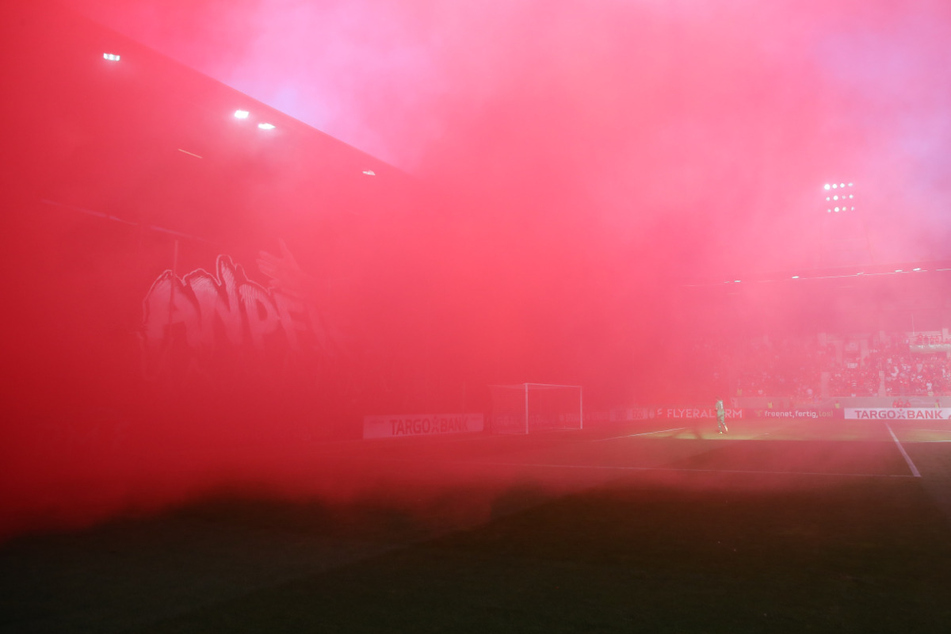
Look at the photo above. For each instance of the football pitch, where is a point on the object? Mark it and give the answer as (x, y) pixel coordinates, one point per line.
(658, 526)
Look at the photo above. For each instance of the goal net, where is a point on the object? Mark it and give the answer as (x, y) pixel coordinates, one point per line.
(533, 407)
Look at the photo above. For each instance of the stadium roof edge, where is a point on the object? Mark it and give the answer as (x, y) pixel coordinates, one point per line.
(793, 275)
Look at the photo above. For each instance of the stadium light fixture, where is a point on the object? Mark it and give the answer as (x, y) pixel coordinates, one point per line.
(369, 172)
(827, 186)
(112, 57)
(795, 277)
(266, 126)
(241, 114)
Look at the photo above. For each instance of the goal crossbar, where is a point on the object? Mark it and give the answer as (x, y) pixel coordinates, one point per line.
(562, 420)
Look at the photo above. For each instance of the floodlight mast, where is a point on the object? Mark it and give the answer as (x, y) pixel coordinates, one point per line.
(838, 244)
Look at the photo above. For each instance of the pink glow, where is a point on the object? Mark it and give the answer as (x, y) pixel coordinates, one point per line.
(548, 181)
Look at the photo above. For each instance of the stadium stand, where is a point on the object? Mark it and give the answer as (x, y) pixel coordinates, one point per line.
(806, 369)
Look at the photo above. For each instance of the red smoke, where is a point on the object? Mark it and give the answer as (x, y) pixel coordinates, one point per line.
(571, 168)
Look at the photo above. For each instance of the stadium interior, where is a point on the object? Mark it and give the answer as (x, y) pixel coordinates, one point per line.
(247, 245)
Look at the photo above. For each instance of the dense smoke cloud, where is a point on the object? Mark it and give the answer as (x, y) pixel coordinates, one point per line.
(582, 165)
(713, 123)
(588, 162)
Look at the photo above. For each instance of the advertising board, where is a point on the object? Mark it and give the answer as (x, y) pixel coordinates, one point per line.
(401, 425)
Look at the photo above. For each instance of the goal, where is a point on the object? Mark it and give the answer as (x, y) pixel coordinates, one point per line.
(531, 407)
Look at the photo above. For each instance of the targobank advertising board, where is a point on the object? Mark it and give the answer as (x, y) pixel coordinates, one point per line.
(898, 413)
(421, 425)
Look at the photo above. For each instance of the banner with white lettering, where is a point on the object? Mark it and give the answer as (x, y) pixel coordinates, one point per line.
(617, 415)
(421, 425)
(898, 413)
(694, 412)
(800, 414)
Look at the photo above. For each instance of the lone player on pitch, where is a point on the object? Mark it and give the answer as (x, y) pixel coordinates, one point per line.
(721, 417)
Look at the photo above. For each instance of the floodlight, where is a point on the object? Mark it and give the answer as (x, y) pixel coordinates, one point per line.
(112, 57)
(834, 186)
(241, 114)
(826, 186)
(266, 126)
(369, 172)
(795, 277)
(842, 185)
(835, 198)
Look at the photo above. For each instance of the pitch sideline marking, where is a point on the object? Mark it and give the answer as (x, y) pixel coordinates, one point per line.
(911, 465)
(756, 472)
(646, 433)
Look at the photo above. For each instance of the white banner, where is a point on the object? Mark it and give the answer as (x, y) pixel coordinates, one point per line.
(687, 412)
(421, 425)
(617, 415)
(930, 347)
(794, 413)
(898, 413)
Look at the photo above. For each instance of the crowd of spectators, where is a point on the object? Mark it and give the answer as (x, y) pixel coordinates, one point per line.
(806, 368)
(917, 374)
(787, 368)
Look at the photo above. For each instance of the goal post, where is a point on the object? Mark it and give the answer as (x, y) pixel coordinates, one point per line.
(532, 407)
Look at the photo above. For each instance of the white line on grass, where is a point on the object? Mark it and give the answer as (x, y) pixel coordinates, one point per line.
(646, 433)
(754, 472)
(911, 465)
